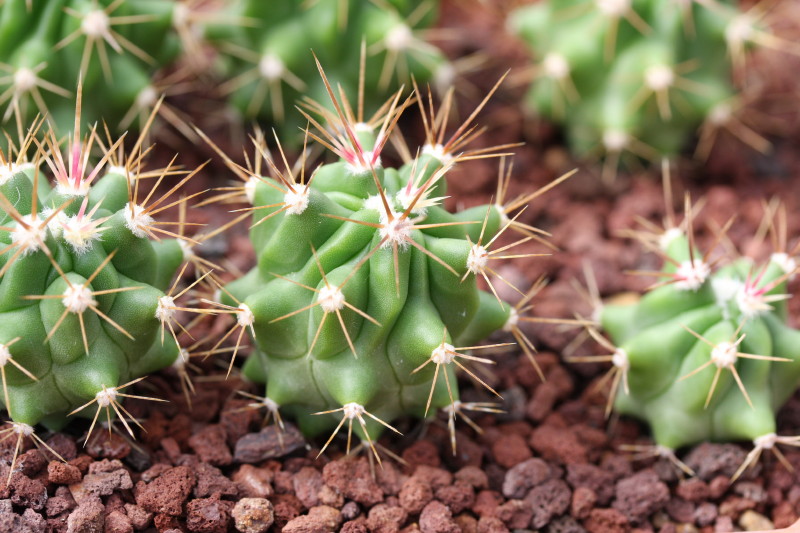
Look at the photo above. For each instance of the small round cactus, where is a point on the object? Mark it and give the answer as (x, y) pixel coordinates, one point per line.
(83, 274)
(365, 302)
(640, 76)
(707, 354)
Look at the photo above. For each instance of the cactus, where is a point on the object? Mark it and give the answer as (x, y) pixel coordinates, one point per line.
(265, 60)
(85, 274)
(640, 76)
(707, 354)
(364, 300)
(113, 46)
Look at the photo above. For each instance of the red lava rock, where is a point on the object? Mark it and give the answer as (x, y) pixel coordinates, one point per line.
(474, 476)
(733, 506)
(107, 445)
(557, 444)
(640, 495)
(466, 523)
(82, 462)
(724, 524)
(422, 452)
(709, 460)
(211, 481)
(490, 524)
(437, 518)
(62, 473)
(718, 487)
(61, 501)
(435, 477)
(118, 522)
(550, 499)
(26, 492)
(415, 495)
(486, 502)
(385, 519)
(509, 450)
(606, 521)
(154, 471)
(253, 515)
(31, 463)
(524, 476)
(165, 522)
(88, 517)
(600, 481)
(390, 479)
(167, 493)
(320, 519)
(285, 508)
(211, 445)
(331, 498)
(358, 525)
(208, 515)
(353, 479)
(692, 489)
(63, 445)
(784, 515)
(750, 491)
(680, 510)
(516, 514)
(106, 476)
(139, 518)
(583, 501)
(307, 484)
(705, 514)
(457, 497)
(29, 522)
(268, 444)
(253, 482)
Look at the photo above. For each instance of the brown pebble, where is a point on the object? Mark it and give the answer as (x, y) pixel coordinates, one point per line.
(62, 473)
(253, 515)
(320, 519)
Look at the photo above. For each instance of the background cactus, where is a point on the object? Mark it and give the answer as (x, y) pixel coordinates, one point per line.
(265, 52)
(707, 355)
(83, 274)
(639, 76)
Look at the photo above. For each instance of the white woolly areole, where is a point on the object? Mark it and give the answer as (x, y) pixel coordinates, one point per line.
(620, 359)
(437, 151)
(165, 309)
(513, 320)
(96, 24)
(187, 252)
(137, 220)
(398, 38)
(250, 189)
(615, 140)
(443, 354)
(725, 290)
(750, 302)
(374, 202)
(78, 298)
(353, 410)
(357, 168)
(296, 201)
(691, 275)
(765, 442)
(245, 316)
(785, 261)
(659, 77)
(180, 361)
(724, 354)
(80, 233)
(720, 114)
(477, 259)
(106, 397)
(118, 169)
(271, 67)
(555, 66)
(69, 189)
(270, 404)
(24, 79)
(29, 236)
(147, 97)
(739, 30)
(181, 14)
(9, 170)
(666, 238)
(5, 354)
(56, 224)
(362, 127)
(20, 428)
(330, 298)
(396, 231)
(613, 8)
(444, 76)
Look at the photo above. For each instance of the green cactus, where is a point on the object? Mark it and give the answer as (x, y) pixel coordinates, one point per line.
(639, 76)
(364, 300)
(265, 51)
(113, 46)
(707, 354)
(84, 268)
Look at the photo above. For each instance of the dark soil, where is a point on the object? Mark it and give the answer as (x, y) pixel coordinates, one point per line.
(550, 463)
